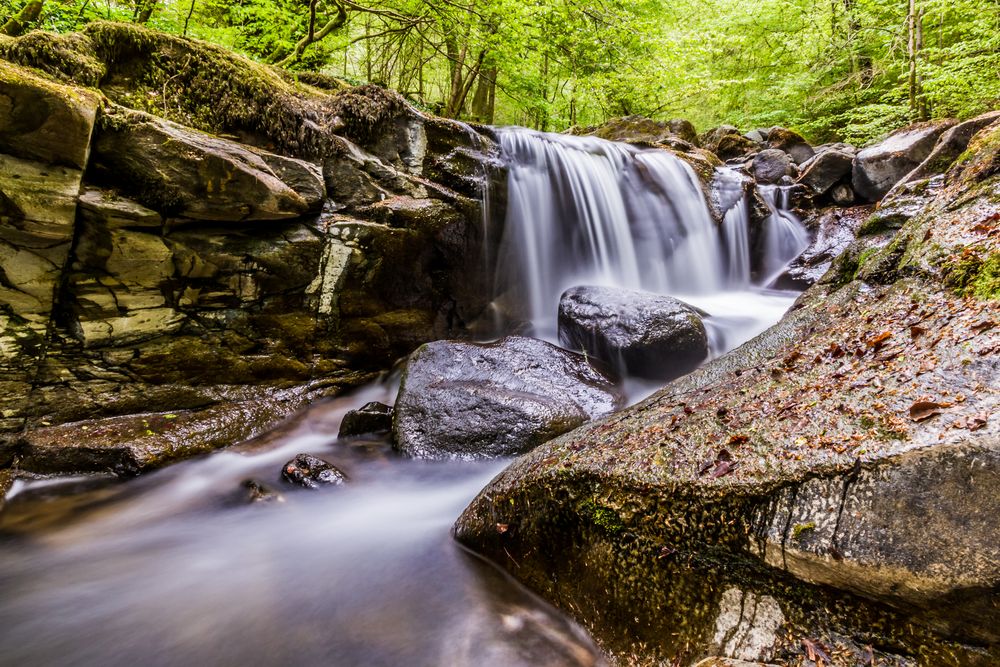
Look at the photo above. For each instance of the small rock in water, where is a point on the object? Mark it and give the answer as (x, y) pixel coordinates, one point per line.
(373, 417)
(311, 472)
(259, 492)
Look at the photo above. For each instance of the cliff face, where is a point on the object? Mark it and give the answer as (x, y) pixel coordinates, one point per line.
(827, 490)
(189, 233)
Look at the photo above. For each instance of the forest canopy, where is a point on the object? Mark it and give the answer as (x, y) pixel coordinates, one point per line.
(848, 70)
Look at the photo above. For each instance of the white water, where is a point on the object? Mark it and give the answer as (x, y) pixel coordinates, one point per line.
(174, 568)
(784, 236)
(584, 211)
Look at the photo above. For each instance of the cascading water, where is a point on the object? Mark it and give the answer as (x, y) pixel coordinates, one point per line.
(584, 211)
(174, 568)
(784, 236)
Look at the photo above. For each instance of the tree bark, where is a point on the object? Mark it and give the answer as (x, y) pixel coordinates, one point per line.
(485, 98)
(17, 25)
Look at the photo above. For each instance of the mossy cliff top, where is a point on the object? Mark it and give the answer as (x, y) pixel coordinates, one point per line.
(208, 87)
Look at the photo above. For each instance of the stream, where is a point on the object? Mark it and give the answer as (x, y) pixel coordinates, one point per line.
(177, 568)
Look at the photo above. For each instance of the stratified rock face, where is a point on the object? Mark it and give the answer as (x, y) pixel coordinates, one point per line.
(879, 167)
(469, 400)
(854, 446)
(45, 132)
(190, 274)
(638, 333)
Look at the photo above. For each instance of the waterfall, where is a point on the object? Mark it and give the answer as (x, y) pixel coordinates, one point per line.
(730, 191)
(583, 210)
(784, 236)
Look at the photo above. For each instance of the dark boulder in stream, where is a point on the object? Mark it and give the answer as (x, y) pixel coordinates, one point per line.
(832, 482)
(470, 400)
(637, 333)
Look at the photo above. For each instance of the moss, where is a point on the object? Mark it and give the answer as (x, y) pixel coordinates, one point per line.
(973, 276)
(800, 530)
(606, 519)
(69, 58)
(366, 109)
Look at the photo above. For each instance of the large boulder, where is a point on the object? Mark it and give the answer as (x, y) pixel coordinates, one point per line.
(826, 169)
(829, 486)
(950, 145)
(639, 129)
(469, 400)
(879, 167)
(637, 333)
(190, 174)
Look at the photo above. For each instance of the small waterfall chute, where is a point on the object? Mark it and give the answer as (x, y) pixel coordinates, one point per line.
(784, 235)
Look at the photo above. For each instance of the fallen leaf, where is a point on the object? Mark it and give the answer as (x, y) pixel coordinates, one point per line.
(737, 440)
(503, 528)
(879, 341)
(984, 325)
(722, 469)
(922, 410)
(917, 332)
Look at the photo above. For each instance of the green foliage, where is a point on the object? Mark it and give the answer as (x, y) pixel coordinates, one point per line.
(833, 70)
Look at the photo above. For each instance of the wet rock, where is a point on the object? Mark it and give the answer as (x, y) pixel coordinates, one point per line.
(879, 167)
(827, 461)
(6, 482)
(790, 142)
(255, 491)
(183, 172)
(637, 333)
(832, 230)
(373, 417)
(468, 400)
(312, 472)
(905, 202)
(771, 165)
(825, 170)
(127, 445)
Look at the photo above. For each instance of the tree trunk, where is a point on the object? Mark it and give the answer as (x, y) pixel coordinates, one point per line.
(485, 98)
(17, 25)
(144, 11)
(911, 53)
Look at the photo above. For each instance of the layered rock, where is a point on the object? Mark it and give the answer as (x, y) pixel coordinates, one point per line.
(829, 486)
(469, 400)
(326, 235)
(636, 333)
